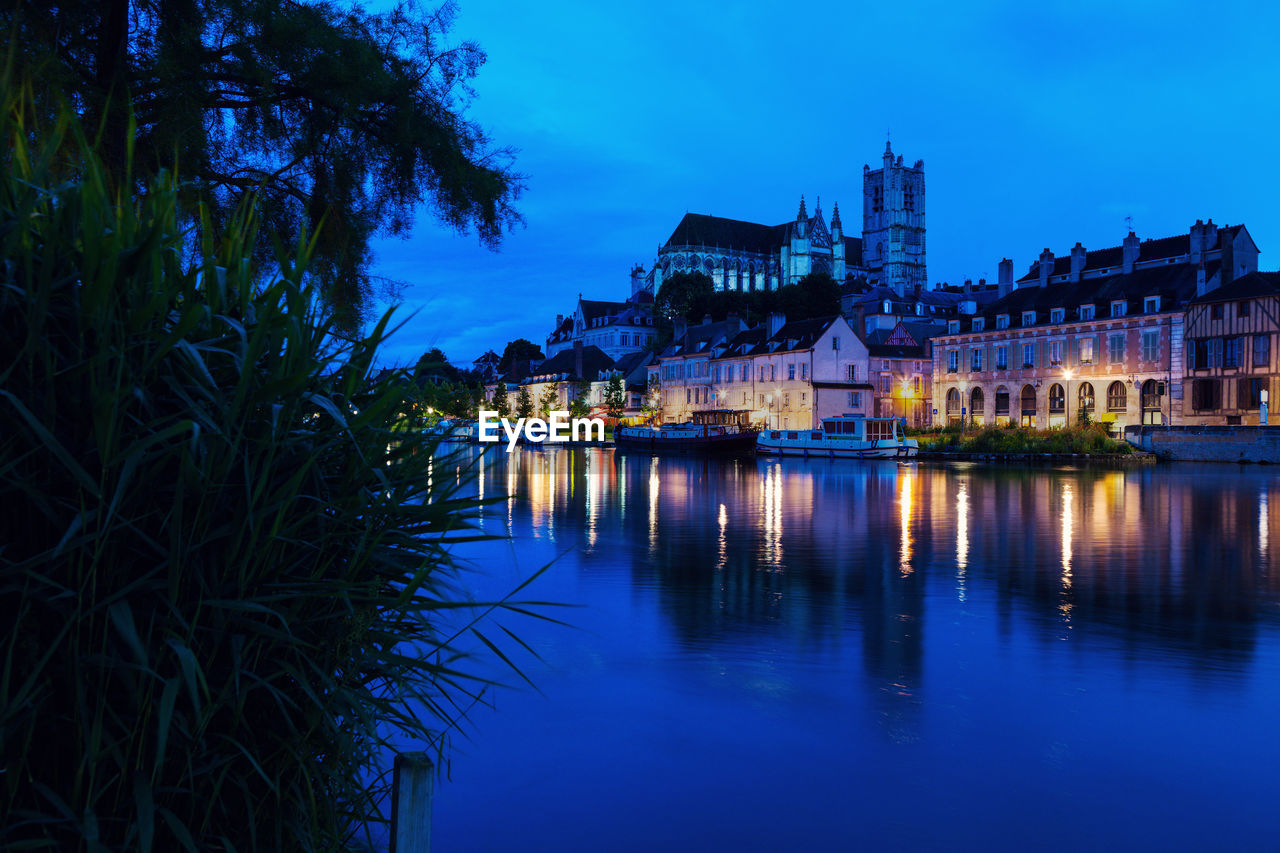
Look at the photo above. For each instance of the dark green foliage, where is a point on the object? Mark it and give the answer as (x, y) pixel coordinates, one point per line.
(615, 396)
(434, 366)
(1092, 438)
(501, 400)
(225, 575)
(524, 403)
(548, 400)
(343, 121)
(519, 350)
(579, 407)
(684, 294)
(690, 295)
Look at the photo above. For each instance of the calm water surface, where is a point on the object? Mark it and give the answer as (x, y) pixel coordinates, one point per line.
(790, 654)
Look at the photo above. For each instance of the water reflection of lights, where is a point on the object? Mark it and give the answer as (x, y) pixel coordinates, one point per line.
(653, 504)
(904, 521)
(771, 507)
(593, 501)
(724, 542)
(1068, 521)
(962, 535)
(1263, 525)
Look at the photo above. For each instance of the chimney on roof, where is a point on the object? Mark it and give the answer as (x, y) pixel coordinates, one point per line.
(1204, 239)
(968, 286)
(776, 322)
(706, 319)
(681, 328)
(637, 279)
(1005, 284)
(1129, 252)
(577, 359)
(1078, 255)
(1046, 266)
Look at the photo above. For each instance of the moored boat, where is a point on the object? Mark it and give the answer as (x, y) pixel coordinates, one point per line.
(713, 431)
(843, 437)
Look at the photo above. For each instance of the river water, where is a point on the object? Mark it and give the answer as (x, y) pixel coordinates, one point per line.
(803, 654)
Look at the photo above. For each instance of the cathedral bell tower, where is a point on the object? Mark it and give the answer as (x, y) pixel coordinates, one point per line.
(893, 247)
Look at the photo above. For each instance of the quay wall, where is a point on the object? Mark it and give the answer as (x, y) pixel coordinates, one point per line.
(1208, 443)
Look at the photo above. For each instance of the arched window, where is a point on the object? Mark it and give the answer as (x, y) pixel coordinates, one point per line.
(1002, 401)
(1116, 397)
(1086, 397)
(1057, 399)
(976, 402)
(1028, 405)
(953, 402)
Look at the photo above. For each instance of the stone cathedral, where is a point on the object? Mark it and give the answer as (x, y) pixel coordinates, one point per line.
(742, 255)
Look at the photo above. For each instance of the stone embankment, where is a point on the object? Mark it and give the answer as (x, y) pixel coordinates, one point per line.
(1260, 444)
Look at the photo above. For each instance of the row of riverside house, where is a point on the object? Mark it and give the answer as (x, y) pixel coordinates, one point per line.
(1178, 330)
(785, 374)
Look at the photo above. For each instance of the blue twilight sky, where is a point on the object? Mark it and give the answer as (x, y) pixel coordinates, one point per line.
(1039, 124)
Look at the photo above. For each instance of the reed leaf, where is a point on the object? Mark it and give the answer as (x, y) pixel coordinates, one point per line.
(226, 574)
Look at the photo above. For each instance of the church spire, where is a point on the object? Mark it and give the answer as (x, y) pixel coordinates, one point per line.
(835, 217)
(802, 216)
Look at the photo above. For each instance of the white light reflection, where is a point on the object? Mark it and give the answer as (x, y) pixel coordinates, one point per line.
(1068, 521)
(962, 535)
(593, 501)
(771, 506)
(724, 542)
(653, 504)
(904, 521)
(1264, 522)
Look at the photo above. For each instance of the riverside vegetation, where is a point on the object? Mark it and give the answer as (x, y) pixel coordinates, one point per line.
(226, 576)
(1085, 438)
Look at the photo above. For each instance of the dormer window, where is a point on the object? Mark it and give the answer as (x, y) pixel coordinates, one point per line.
(1057, 315)
(919, 309)
(1086, 312)
(953, 327)
(887, 308)
(1028, 318)
(1002, 321)
(1151, 304)
(978, 324)
(1118, 309)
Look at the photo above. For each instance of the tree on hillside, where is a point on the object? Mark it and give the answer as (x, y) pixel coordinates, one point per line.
(684, 294)
(519, 350)
(615, 396)
(435, 366)
(819, 295)
(342, 121)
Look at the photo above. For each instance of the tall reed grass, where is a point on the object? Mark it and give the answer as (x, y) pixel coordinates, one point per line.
(223, 569)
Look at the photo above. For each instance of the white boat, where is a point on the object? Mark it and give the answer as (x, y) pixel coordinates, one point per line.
(452, 430)
(843, 437)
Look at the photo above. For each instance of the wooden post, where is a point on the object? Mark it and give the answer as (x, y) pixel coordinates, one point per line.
(411, 803)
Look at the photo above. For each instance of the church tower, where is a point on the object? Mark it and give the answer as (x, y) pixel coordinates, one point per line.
(893, 224)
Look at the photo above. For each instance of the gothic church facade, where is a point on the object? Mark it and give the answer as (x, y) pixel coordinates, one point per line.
(740, 255)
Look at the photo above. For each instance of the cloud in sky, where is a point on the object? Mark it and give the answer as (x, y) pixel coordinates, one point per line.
(1039, 125)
